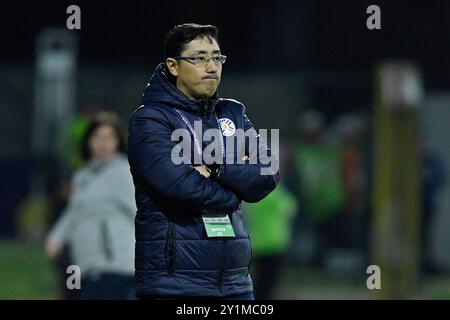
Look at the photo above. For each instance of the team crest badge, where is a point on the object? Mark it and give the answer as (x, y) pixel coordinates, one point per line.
(227, 126)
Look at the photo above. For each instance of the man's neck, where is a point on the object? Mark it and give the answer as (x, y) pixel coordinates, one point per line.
(185, 92)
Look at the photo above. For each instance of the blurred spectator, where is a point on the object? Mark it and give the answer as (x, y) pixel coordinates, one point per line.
(98, 223)
(320, 185)
(350, 132)
(433, 178)
(69, 159)
(352, 223)
(270, 228)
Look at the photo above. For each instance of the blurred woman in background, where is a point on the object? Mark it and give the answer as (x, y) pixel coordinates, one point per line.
(98, 222)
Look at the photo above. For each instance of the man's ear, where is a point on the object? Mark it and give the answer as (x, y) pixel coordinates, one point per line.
(172, 66)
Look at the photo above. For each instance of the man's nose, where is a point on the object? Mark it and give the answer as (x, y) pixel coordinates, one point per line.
(211, 67)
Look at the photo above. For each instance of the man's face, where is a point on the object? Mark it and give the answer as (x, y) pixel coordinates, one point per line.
(197, 80)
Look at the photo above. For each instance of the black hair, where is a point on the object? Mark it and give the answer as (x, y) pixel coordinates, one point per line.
(182, 34)
(102, 119)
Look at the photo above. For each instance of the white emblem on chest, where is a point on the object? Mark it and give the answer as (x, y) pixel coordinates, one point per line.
(227, 126)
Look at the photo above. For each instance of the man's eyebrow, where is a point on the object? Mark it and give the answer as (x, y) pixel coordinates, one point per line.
(205, 52)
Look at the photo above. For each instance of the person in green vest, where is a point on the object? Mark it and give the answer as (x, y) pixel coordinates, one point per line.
(319, 187)
(269, 224)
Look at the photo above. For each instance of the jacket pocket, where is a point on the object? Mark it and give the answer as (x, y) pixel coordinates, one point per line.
(170, 249)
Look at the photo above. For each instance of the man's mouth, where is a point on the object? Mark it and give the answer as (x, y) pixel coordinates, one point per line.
(210, 78)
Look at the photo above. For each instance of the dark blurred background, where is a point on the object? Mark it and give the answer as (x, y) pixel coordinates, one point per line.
(309, 68)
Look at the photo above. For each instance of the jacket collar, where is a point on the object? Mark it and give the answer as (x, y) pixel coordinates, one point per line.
(160, 90)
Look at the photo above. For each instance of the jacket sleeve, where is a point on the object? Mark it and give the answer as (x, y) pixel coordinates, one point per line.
(245, 179)
(61, 230)
(149, 152)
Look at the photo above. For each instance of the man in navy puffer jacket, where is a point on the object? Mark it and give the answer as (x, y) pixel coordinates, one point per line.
(175, 256)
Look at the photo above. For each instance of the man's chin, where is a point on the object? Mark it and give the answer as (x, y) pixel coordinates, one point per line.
(205, 95)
